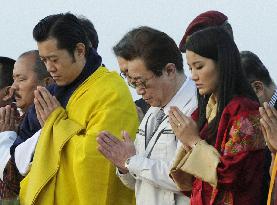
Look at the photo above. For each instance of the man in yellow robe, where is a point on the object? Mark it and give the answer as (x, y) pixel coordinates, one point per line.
(66, 167)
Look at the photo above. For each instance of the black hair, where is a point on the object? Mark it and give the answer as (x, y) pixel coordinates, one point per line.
(66, 28)
(90, 31)
(6, 71)
(154, 47)
(254, 69)
(39, 67)
(216, 44)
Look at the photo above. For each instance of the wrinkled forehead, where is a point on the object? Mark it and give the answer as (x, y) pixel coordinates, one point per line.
(137, 69)
(24, 65)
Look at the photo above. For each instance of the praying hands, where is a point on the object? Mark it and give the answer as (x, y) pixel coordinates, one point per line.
(45, 104)
(269, 126)
(115, 150)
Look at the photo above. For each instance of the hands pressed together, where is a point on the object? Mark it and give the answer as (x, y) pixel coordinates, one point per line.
(8, 118)
(116, 150)
(8, 115)
(269, 126)
(45, 104)
(185, 128)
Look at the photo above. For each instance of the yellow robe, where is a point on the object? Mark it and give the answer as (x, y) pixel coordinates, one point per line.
(67, 167)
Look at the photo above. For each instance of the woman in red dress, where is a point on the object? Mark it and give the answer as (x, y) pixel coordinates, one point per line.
(224, 140)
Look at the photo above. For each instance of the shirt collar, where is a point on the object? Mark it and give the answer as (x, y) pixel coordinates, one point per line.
(180, 96)
(273, 98)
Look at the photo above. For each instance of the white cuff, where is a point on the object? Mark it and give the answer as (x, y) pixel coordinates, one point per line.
(7, 139)
(127, 179)
(135, 165)
(24, 152)
(122, 175)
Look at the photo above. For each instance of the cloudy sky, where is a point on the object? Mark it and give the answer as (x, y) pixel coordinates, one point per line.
(254, 22)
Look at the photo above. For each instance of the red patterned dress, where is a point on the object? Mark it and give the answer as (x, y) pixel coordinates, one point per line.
(241, 146)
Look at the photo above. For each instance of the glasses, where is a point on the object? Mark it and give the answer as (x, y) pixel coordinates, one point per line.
(123, 75)
(134, 83)
(139, 82)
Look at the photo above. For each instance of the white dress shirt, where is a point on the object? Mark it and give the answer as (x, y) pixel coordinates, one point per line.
(149, 168)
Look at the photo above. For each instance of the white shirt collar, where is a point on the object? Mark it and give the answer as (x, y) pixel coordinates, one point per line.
(182, 94)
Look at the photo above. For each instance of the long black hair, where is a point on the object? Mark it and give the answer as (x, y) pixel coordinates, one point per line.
(216, 44)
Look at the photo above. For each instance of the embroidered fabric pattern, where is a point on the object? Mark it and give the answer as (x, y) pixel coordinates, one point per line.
(245, 135)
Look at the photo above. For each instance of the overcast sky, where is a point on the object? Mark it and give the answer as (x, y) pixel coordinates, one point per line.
(254, 22)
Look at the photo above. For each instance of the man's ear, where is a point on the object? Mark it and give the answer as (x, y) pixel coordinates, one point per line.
(259, 88)
(170, 69)
(80, 50)
(47, 81)
(8, 91)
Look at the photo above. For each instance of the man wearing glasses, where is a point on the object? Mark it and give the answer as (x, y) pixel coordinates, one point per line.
(141, 105)
(155, 70)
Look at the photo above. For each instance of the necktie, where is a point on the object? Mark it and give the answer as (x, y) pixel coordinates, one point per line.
(158, 118)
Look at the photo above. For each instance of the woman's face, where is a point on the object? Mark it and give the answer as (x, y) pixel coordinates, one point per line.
(204, 72)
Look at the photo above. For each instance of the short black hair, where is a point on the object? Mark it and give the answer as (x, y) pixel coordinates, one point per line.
(6, 71)
(154, 47)
(254, 69)
(39, 67)
(66, 28)
(90, 31)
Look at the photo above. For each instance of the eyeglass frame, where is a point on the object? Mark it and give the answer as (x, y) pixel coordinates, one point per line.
(124, 75)
(142, 84)
(139, 82)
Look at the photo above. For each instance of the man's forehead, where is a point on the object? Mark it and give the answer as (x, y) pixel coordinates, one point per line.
(48, 53)
(122, 64)
(137, 69)
(138, 74)
(48, 48)
(23, 65)
(52, 55)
